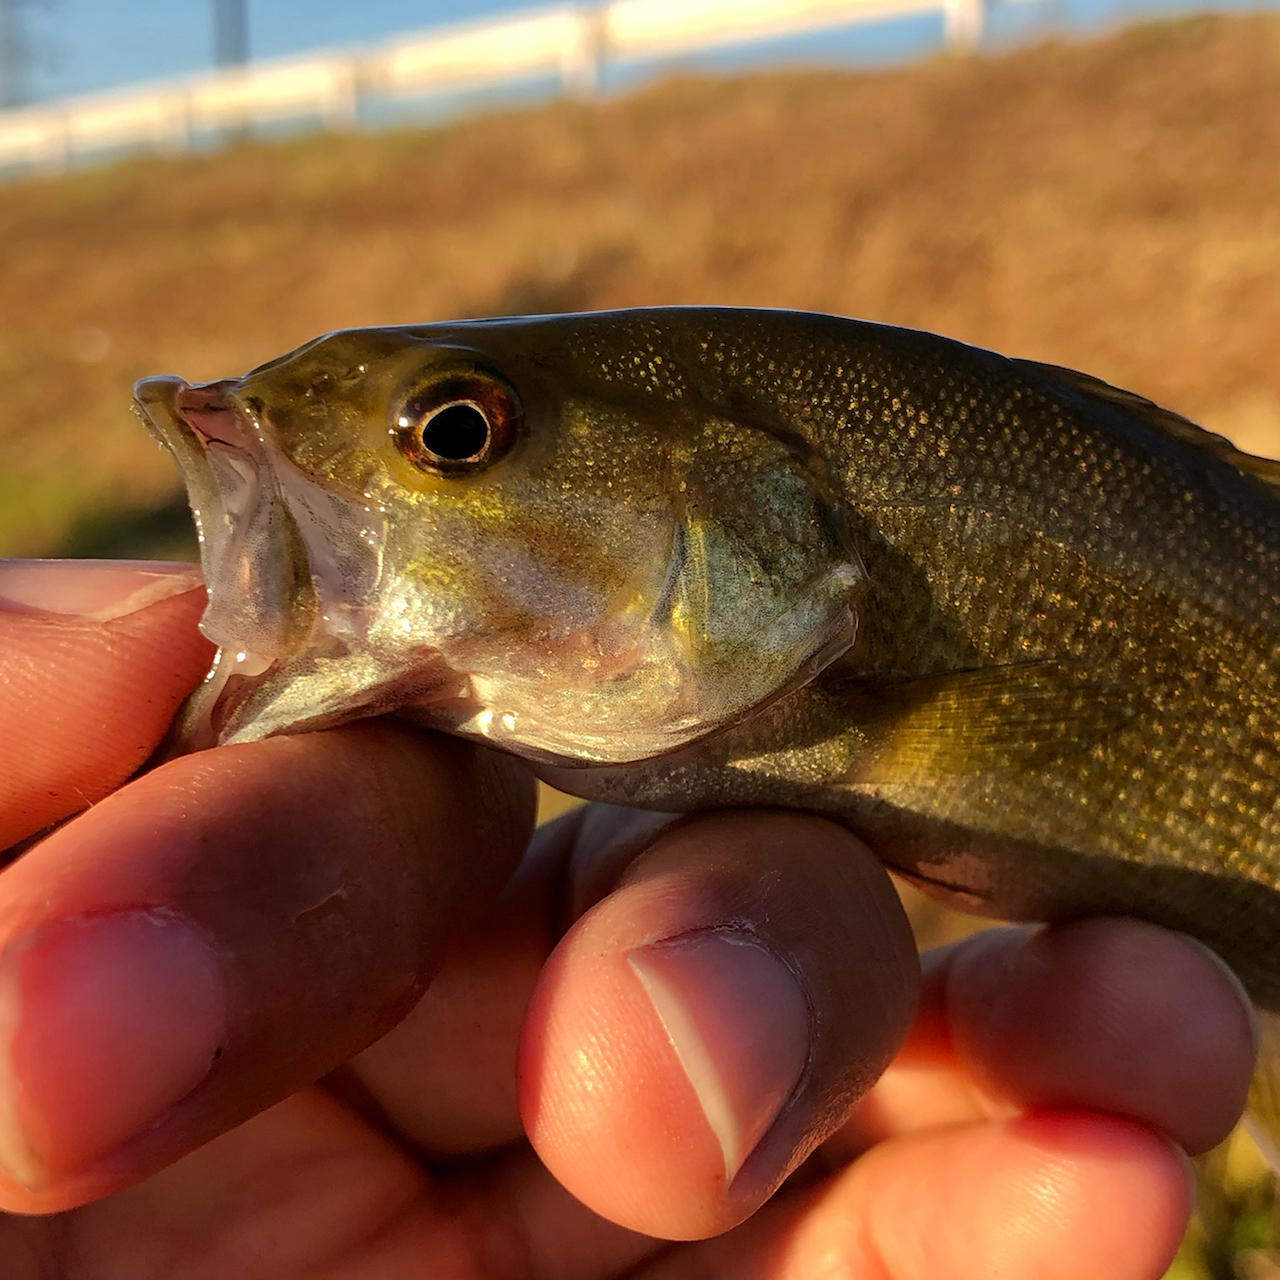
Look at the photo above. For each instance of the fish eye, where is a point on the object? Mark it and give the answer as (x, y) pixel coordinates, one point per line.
(456, 433)
(456, 425)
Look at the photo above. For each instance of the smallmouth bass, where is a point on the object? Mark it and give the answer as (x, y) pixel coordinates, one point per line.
(1017, 628)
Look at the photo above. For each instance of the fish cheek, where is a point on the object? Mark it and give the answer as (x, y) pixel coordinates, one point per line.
(572, 534)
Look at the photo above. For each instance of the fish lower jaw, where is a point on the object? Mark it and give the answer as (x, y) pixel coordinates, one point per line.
(250, 696)
(546, 736)
(244, 662)
(235, 673)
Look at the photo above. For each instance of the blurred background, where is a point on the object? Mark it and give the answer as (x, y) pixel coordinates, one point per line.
(1068, 181)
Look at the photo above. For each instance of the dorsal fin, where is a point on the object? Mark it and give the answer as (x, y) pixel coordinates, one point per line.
(1081, 384)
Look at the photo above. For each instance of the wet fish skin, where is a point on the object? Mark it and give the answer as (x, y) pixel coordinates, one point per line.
(1017, 628)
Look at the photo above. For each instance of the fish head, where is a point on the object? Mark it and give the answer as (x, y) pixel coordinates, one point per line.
(509, 530)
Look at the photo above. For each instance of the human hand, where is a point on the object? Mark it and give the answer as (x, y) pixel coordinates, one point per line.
(225, 931)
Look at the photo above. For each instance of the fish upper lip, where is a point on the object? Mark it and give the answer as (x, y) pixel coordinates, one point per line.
(213, 415)
(205, 413)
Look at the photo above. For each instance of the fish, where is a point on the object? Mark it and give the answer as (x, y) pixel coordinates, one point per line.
(1017, 628)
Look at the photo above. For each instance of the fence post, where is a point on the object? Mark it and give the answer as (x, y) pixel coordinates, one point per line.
(585, 54)
(54, 155)
(342, 102)
(962, 24)
(173, 123)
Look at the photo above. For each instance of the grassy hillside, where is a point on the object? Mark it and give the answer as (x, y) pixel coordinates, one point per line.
(1113, 206)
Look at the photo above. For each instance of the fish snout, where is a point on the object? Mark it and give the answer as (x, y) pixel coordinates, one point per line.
(155, 399)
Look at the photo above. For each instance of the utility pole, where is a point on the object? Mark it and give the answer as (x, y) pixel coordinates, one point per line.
(230, 32)
(15, 54)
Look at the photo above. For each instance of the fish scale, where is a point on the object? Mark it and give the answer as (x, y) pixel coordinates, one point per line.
(1018, 628)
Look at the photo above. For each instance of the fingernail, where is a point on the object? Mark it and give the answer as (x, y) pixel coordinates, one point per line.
(94, 590)
(739, 1023)
(105, 1024)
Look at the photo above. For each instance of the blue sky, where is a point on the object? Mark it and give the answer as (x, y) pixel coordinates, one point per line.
(86, 45)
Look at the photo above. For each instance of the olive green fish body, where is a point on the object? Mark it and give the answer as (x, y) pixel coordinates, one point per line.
(1018, 628)
(1062, 695)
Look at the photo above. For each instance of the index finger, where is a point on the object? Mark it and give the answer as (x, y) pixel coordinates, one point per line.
(95, 657)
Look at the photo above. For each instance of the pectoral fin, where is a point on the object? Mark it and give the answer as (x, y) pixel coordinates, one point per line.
(979, 721)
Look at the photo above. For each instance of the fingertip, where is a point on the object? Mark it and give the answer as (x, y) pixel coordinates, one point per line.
(603, 1101)
(102, 685)
(1108, 1015)
(1046, 1197)
(91, 590)
(109, 1020)
(325, 874)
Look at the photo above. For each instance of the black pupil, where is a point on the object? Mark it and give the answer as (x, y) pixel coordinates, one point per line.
(457, 432)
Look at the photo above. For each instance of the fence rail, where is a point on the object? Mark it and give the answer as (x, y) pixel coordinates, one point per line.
(573, 43)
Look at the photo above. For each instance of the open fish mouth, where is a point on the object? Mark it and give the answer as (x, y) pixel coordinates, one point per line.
(258, 603)
(285, 588)
(251, 551)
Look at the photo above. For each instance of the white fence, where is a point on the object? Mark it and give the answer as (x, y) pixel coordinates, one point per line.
(572, 43)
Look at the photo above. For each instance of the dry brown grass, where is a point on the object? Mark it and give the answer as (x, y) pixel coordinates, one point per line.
(1113, 206)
